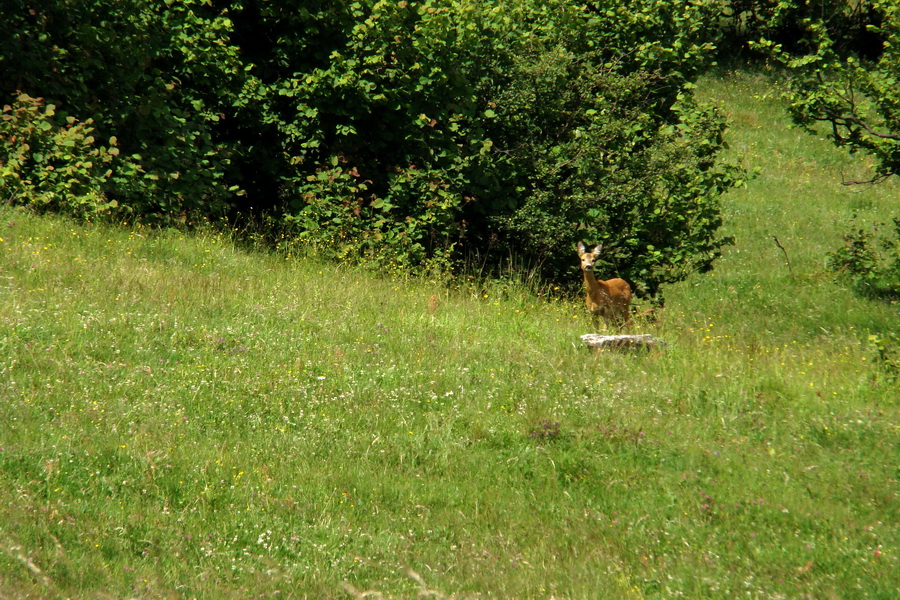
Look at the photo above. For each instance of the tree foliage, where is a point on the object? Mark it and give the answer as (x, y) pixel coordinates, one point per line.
(158, 78)
(412, 133)
(845, 72)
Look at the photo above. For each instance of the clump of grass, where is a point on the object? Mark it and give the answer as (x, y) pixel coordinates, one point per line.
(546, 431)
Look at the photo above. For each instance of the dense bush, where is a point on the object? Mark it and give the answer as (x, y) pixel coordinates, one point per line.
(158, 78)
(436, 130)
(592, 158)
(410, 133)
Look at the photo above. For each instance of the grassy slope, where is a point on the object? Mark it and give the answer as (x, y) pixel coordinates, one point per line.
(181, 418)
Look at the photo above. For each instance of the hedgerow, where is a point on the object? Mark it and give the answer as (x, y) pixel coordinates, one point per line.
(416, 134)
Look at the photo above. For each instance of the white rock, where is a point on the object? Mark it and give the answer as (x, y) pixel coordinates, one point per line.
(622, 342)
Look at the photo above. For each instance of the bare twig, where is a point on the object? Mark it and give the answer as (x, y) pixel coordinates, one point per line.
(876, 179)
(853, 119)
(786, 259)
(424, 591)
(358, 595)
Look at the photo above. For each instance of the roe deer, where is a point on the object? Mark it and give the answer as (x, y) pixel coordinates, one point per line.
(610, 299)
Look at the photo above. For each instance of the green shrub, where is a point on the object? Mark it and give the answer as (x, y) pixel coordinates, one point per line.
(870, 260)
(596, 160)
(60, 168)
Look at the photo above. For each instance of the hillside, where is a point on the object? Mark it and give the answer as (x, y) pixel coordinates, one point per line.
(186, 418)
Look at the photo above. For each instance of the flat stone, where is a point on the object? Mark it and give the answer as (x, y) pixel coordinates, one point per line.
(622, 342)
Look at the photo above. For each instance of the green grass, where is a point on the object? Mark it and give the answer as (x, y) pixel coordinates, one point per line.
(182, 418)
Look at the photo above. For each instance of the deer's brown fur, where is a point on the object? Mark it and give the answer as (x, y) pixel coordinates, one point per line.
(610, 299)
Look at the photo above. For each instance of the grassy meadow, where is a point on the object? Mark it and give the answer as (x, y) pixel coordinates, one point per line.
(183, 418)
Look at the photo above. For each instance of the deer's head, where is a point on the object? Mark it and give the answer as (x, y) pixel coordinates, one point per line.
(588, 258)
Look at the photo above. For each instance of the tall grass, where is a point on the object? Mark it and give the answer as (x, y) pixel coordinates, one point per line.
(181, 418)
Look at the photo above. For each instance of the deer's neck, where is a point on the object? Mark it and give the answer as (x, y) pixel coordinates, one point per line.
(591, 282)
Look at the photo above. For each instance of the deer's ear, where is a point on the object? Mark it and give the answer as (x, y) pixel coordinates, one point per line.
(579, 248)
(597, 250)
